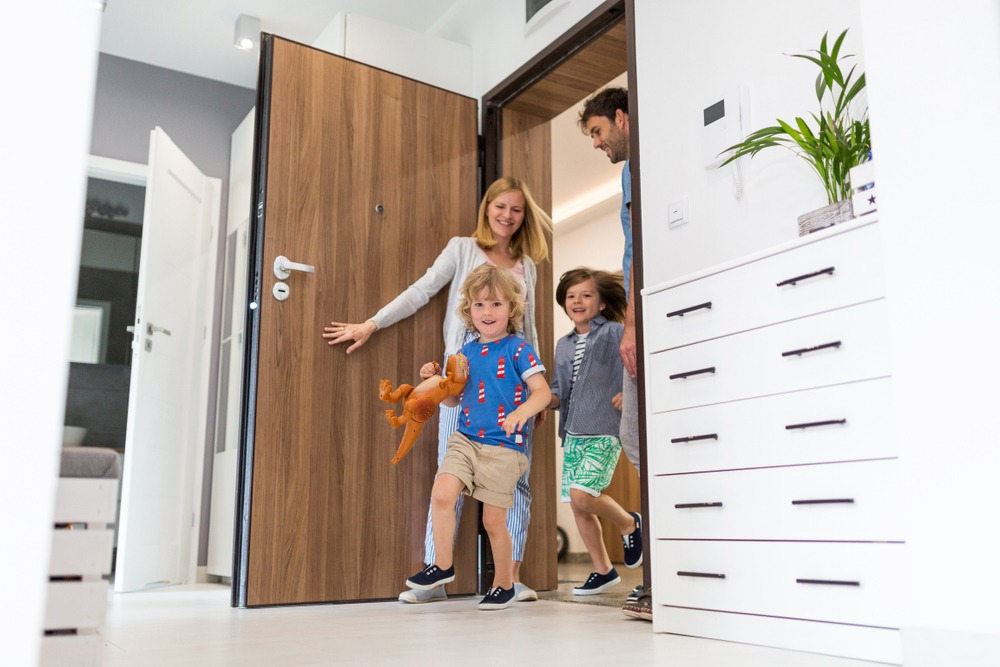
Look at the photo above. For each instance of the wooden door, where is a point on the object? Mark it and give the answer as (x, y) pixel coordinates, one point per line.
(363, 175)
(527, 154)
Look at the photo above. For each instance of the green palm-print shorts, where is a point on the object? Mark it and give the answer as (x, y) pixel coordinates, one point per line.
(589, 463)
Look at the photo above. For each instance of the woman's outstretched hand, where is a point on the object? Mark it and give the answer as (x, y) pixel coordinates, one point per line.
(338, 332)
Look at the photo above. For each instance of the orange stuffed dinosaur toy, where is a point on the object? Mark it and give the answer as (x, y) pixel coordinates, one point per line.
(420, 402)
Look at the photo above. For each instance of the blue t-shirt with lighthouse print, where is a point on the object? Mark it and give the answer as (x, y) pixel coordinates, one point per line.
(497, 385)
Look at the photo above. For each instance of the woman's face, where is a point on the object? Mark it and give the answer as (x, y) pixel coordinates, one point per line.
(506, 214)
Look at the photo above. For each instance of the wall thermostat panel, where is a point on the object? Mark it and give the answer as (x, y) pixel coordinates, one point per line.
(723, 123)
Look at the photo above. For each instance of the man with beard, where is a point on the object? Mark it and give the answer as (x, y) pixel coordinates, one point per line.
(604, 119)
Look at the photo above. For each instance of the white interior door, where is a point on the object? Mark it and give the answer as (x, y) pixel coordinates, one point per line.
(227, 431)
(164, 444)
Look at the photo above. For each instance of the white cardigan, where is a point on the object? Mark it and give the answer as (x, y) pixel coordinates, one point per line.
(455, 262)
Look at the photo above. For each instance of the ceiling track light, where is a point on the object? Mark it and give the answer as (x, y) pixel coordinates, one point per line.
(247, 32)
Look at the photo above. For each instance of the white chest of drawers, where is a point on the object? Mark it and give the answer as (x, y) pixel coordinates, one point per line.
(774, 496)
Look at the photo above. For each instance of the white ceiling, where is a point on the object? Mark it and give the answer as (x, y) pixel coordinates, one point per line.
(196, 36)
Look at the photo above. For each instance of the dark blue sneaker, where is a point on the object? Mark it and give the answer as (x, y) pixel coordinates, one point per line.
(497, 598)
(597, 583)
(633, 544)
(431, 577)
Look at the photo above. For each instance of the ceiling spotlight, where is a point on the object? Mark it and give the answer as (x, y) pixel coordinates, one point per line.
(247, 32)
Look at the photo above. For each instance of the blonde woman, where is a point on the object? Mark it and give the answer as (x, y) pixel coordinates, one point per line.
(511, 234)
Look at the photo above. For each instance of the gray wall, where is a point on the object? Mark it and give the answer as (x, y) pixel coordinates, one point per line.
(199, 115)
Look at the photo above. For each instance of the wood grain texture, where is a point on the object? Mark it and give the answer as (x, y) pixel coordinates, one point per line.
(580, 75)
(527, 154)
(331, 518)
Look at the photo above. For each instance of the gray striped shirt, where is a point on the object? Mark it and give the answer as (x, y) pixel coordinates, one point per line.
(585, 406)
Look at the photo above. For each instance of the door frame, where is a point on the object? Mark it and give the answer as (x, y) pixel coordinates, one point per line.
(545, 63)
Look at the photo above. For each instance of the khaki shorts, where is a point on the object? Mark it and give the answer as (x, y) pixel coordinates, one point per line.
(489, 472)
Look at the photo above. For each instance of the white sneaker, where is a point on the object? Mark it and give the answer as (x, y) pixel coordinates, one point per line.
(414, 596)
(524, 594)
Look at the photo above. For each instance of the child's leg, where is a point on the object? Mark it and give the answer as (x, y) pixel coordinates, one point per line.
(495, 523)
(605, 507)
(590, 531)
(447, 424)
(446, 490)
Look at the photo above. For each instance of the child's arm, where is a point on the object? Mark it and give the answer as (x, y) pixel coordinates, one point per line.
(539, 399)
(429, 370)
(554, 403)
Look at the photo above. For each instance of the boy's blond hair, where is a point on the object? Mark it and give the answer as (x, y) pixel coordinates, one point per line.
(499, 282)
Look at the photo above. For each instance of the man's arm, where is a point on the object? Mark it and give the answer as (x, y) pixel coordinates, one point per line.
(627, 347)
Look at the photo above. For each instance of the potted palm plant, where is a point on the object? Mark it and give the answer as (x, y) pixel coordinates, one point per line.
(833, 143)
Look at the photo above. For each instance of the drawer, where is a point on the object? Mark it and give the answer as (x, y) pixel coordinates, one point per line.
(831, 348)
(841, 423)
(846, 641)
(79, 650)
(845, 269)
(837, 582)
(81, 552)
(833, 501)
(86, 500)
(75, 604)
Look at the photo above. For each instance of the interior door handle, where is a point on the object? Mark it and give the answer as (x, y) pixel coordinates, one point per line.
(152, 329)
(283, 267)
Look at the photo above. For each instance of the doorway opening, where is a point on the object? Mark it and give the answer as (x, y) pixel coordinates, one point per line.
(526, 118)
(101, 345)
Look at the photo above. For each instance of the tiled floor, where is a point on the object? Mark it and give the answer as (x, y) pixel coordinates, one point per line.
(194, 626)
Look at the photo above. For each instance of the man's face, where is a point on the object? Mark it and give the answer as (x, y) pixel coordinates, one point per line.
(610, 136)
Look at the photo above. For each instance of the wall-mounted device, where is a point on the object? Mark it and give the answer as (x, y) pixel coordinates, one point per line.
(724, 122)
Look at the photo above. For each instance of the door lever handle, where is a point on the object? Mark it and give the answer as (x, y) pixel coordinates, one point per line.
(152, 329)
(283, 267)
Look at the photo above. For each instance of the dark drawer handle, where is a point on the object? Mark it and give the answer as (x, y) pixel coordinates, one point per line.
(824, 501)
(694, 438)
(684, 311)
(828, 582)
(829, 422)
(705, 575)
(805, 350)
(681, 376)
(687, 506)
(791, 281)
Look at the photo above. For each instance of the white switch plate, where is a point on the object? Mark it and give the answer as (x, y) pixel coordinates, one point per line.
(677, 212)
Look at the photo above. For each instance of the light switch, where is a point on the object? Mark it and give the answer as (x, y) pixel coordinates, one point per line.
(677, 212)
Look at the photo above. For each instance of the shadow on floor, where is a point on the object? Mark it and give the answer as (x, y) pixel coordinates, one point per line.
(573, 574)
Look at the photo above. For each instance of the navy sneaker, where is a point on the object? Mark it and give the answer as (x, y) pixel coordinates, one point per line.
(497, 598)
(597, 583)
(633, 544)
(431, 577)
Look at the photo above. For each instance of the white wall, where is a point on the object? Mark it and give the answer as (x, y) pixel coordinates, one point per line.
(691, 54)
(934, 89)
(934, 113)
(496, 31)
(46, 136)
(471, 49)
(434, 60)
